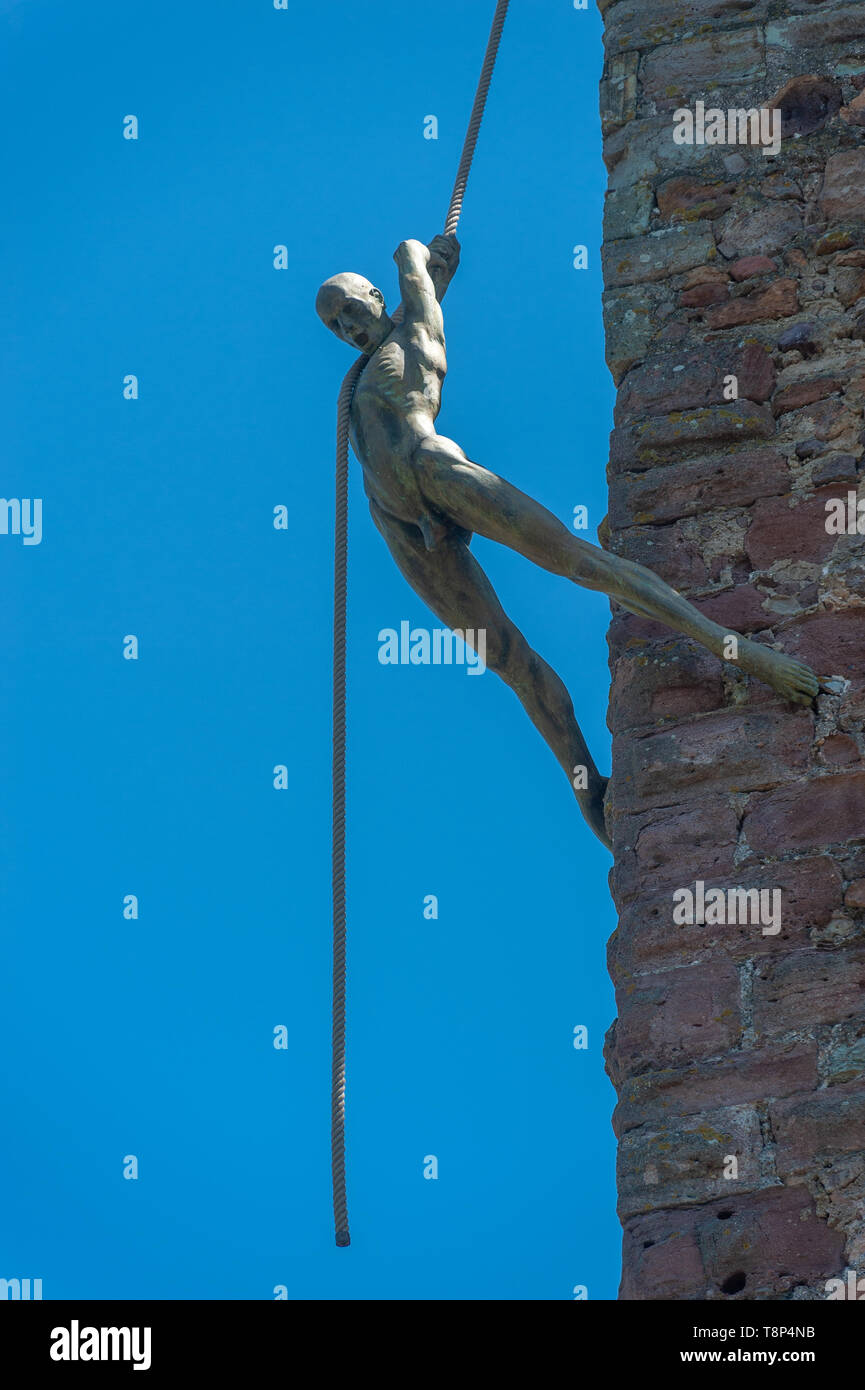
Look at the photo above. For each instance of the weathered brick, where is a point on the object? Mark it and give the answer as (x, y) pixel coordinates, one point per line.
(849, 285)
(632, 317)
(686, 196)
(759, 231)
(654, 440)
(627, 211)
(750, 266)
(834, 241)
(668, 384)
(732, 750)
(647, 939)
(676, 1015)
(657, 256)
(823, 811)
(701, 296)
(836, 468)
(681, 1162)
(831, 643)
(819, 30)
(854, 114)
(806, 393)
(801, 337)
(668, 682)
(673, 71)
(839, 750)
(787, 1069)
(855, 895)
(634, 24)
(706, 275)
(841, 1201)
(766, 1245)
(651, 847)
(660, 1258)
(668, 551)
(754, 371)
(808, 987)
(691, 488)
(843, 1054)
(787, 528)
(853, 700)
(828, 419)
(619, 91)
(843, 192)
(778, 301)
(780, 186)
(740, 609)
(828, 1122)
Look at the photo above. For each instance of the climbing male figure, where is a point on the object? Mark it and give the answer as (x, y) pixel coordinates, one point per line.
(427, 498)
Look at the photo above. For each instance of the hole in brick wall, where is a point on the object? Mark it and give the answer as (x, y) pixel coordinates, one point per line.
(723, 1215)
(735, 1283)
(647, 1243)
(806, 104)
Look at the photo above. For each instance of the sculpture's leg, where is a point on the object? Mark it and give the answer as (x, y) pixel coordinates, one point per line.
(451, 582)
(481, 501)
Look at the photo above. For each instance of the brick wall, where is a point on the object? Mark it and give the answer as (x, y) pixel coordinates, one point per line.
(721, 261)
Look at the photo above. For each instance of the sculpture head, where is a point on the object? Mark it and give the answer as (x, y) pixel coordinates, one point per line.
(354, 310)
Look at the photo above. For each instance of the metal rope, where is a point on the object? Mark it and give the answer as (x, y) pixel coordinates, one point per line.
(340, 585)
(465, 164)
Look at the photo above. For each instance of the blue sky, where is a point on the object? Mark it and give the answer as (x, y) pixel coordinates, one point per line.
(154, 777)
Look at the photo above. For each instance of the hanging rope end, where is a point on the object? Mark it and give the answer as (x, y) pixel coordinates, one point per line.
(343, 1238)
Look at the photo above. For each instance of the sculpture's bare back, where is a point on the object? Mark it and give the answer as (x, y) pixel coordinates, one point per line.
(427, 498)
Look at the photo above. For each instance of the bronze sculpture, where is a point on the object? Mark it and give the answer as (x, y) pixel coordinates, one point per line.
(427, 498)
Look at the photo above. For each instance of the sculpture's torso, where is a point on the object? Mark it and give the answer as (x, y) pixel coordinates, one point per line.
(393, 413)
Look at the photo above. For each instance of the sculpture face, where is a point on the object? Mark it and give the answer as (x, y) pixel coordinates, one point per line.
(354, 310)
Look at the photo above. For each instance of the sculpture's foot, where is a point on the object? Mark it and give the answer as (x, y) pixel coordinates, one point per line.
(592, 807)
(791, 678)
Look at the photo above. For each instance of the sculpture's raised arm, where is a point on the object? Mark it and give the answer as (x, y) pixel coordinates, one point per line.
(416, 287)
